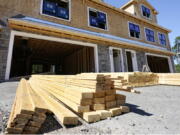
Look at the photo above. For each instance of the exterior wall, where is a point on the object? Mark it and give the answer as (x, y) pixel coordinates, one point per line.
(117, 24)
(4, 42)
(117, 21)
(104, 59)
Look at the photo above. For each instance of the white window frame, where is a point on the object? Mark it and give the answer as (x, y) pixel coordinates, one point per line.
(150, 18)
(140, 38)
(88, 9)
(159, 39)
(146, 35)
(68, 20)
(134, 60)
(162, 56)
(49, 38)
(111, 58)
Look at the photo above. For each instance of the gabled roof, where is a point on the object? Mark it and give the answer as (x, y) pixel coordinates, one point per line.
(42, 25)
(140, 1)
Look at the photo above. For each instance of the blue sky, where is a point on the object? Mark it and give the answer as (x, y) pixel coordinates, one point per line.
(168, 17)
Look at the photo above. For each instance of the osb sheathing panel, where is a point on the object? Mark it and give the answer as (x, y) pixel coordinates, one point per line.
(117, 22)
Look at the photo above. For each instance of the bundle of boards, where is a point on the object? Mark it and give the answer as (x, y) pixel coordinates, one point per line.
(134, 79)
(91, 97)
(169, 79)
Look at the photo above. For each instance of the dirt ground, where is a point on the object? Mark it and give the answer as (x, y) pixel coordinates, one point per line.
(155, 111)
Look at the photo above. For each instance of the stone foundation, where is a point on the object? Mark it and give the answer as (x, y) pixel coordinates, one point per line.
(104, 59)
(4, 43)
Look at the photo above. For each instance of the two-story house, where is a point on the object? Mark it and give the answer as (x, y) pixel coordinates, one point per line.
(75, 36)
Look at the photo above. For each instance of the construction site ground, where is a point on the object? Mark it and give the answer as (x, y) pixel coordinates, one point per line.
(155, 111)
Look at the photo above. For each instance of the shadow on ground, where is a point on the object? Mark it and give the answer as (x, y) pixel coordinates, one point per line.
(51, 124)
(135, 109)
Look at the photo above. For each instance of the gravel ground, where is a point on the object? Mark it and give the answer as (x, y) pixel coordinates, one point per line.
(155, 111)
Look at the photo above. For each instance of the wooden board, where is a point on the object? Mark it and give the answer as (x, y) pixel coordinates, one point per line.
(61, 112)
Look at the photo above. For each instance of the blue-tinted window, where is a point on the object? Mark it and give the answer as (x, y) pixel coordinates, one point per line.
(146, 11)
(134, 30)
(150, 35)
(56, 8)
(97, 19)
(162, 39)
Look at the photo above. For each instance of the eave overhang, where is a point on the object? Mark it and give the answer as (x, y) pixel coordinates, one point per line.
(58, 30)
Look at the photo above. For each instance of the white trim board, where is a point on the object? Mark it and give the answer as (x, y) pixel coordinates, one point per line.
(146, 35)
(129, 34)
(107, 26)
(112, 61)
(150, 18)
(159, 39)
(41, 13)
(157, 55)
(49, 38)
(134, 59)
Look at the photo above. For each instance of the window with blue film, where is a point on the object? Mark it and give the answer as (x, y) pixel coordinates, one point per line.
(97, 19)
(134, 30)
(146, 11)
(162, 39)
(150, 35)
(56, 8)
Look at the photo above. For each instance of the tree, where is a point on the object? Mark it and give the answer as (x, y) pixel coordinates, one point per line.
(177, 68)
(177, 40)
(176, 49)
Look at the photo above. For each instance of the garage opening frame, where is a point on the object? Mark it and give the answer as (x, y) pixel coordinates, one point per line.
(49, 38)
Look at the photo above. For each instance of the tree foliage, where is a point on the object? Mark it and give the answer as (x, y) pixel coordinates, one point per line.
(175, 43)
(177, 68)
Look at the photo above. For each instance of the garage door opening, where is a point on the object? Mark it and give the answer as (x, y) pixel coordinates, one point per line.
(34, 56)
(158, 64)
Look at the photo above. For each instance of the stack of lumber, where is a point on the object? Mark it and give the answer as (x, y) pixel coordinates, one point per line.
(29, 111)
(27, 115)
(169, 78)
(91, 97)
(139, 79)
(119, 81)
(136, 79)
(81, 93)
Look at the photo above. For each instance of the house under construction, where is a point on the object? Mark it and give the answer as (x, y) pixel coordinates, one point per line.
(76, 36)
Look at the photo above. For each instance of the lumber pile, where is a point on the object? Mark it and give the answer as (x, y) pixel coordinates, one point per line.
(139, 79)
(91, 97)
(29, 111)
(135, 79)
(120, 81)
(82, 93)
(169, 78)
(27, 115)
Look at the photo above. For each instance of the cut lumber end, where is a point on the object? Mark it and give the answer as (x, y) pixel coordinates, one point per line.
(70, 121)
(91, 117)
(104, 114)
(95, 107)
(125, 109)
(115, 111)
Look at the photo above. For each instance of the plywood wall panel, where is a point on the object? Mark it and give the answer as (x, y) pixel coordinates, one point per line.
(117, 22)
